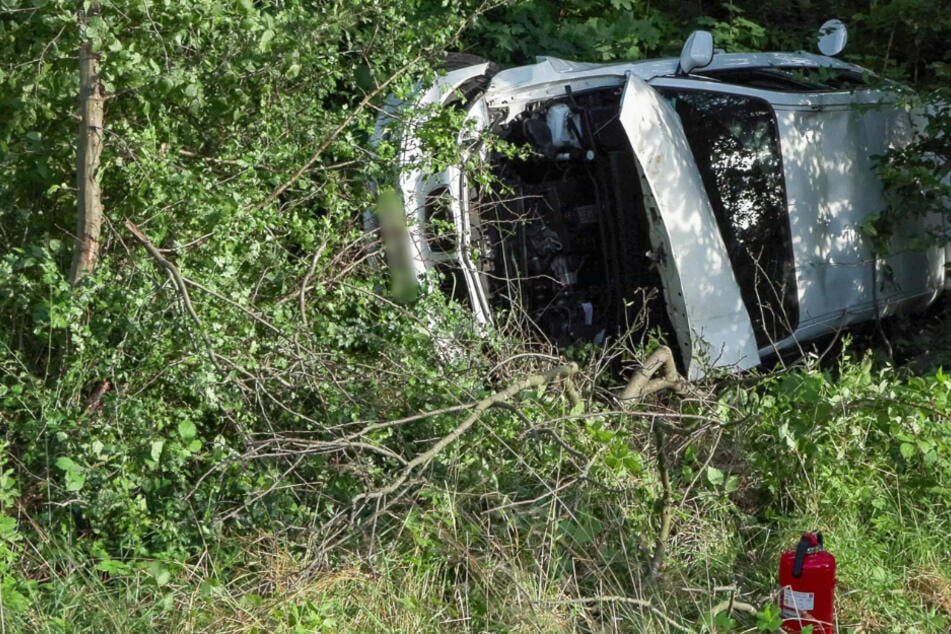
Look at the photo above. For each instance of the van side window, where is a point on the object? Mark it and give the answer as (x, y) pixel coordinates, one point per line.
(735, 142)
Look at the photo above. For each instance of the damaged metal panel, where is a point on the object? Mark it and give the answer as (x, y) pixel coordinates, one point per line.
(416, 186)
(828, 153)
(703, 298)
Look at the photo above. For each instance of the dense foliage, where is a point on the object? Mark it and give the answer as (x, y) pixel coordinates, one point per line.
(223, 427)
(131, 403)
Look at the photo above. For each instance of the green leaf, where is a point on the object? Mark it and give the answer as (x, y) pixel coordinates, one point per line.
(156, 449)
(632, 463)
(723, 621)
(714, 476)
(907, 450)
(65, 463)
(13, 599)
(266, 38)
(8, 529)
(75, 481)
(160, 573)
(115, 568)
(186, 429)
(769, 618)
(732, 484)
(75, 478)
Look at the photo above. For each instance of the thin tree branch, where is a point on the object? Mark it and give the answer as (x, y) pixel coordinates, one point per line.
(340, 128)
(176, 276)
(666, 509)
(304, 283)
(641, 384)
(426, 457)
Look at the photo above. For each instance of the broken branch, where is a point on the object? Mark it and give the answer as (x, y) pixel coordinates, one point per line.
(426, 457)
(641, 384)
(176, 276)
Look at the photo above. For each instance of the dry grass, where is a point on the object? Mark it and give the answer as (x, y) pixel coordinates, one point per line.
(933, 587)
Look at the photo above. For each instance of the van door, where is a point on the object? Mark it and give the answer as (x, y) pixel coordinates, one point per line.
(703, 298)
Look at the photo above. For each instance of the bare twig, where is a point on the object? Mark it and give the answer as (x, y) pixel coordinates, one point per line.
(94, 401)
(703, 468)
(304, 283)
(642, 384)
(407, 419)
(728, 605)
(175, 274)
(218, 161)
(281, 446)
(427, 456)
(666, 509)
(250, 313)
(538, 431)
(261, 494)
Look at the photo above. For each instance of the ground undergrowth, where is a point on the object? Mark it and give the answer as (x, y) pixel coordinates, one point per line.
(549, 514)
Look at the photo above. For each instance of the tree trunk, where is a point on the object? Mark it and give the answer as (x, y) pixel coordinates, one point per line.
(89, 203)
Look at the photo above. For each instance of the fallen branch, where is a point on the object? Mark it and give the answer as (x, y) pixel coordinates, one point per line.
(176, 276)
(94, 401)
(666, 509)
(728, 605)
(306, 281)
(536, 380)
(641, 384)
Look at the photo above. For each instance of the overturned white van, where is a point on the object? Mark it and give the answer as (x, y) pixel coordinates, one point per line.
(718, 196)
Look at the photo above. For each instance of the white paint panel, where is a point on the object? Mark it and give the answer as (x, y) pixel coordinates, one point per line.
(832, 187)
(702, 295)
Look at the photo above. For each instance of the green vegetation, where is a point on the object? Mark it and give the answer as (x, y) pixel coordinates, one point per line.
(227, 425)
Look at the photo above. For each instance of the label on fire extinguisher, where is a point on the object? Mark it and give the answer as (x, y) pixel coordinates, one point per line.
(802, 601)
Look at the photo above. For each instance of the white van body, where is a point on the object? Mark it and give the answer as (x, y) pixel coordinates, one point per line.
(738, 191)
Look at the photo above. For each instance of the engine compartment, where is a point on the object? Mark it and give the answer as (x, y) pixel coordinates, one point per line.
(566, 230)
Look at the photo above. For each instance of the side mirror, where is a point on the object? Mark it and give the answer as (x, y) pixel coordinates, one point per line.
(832, 37)
(697, 52)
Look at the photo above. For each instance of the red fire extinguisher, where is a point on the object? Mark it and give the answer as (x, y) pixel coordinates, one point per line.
(807, 583)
